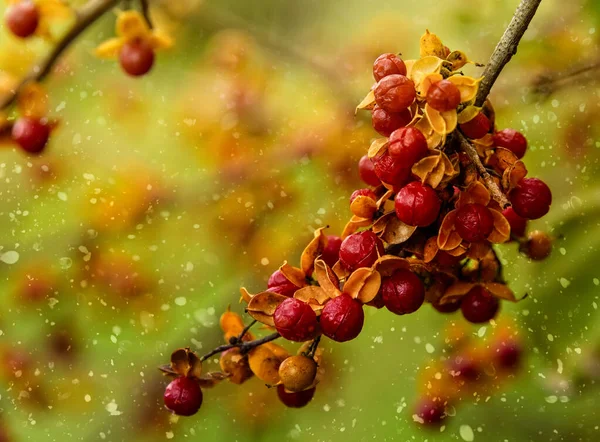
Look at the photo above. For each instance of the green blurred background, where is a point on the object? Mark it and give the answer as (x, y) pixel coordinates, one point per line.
(159, 197)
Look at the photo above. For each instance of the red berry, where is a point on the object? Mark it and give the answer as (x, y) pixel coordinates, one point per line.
(449, 307)
(408, 145)
(331, 252)
(295, 400)
(531, 198)
(360, 250)
(363, 192)
(136, 57)
(479, 305)
(366, 170)
(22, 18)
(183, 396)
(476, 128)
(342, 318)
(417, 204)
(512, 140)
(278, 283)
(295, 320)
(388, 64)
(31, 134)
(443, 96)
(430, 411)
(395, 93)
(391, 171)
(403, 292)
(464, 368)
(518, 224)
(386, 122)
(474, 222)
(507, 354)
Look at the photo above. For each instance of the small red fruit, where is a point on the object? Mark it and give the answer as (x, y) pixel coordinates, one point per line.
(386, 122)
(295, 320)
(531, 198)
(278, 283)
(31, 134)
(136, 57)
(417, 204)
(538, 245)
(474, 222)
(363, 192)
(342, 318)
(443, 96)
(295, 400)
(366, 170)
(464, 368)
(390, 170)
(479, 305)
(518, 224)
(408, 145)
(22, 18)
(360, 250)
(476, 128)
(429, 411)
(395, 93)
(183, 396)
(331, 252)
(512, 140)
(388, 64)
(507, 354)
(449, 307)
(403, 292)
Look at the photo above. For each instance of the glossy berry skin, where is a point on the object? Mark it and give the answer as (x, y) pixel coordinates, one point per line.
(295, 400)
(363, 192)
(31, 134)
(386, 122)
(430, 412)
(22, 18)
(390, 170)
(476, 128)
(518, 224)
(388, 64)
(295, 320)
(417, 205)
(474, 222)
(360, 250)
(403, 292)
(507, 355)
(512, 140)
(366, 171)
(136, 57)
(183, 396)
(538, 245)
(443, 96)
(278, 283)
(395, 93)
(479, 305)
(408, 145)
(331, 252)
(531, 198)
(342, 318)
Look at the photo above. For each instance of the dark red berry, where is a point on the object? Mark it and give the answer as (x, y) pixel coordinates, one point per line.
(476, 128)
(363, 192)
(474, 222)
(366, 170)
(136, 57)
(443, 96)
(295, 400)
(183, 396)
(430, 411)
(395, 93)
(403, 292)
(408, 145)
(295, 320)
(531, 198)
(31, 134)
(512, 140)
(479, 305)
(278, 283)
(538, 245)
(331, 252)
(448, 307)
(464, 368)
(22, 18)
(360, 250)
(444, 259)
(391, 171)
(342, 318)
(388, 64)
(518, 224)
(507, 354)
(417, 204)
(386, 122)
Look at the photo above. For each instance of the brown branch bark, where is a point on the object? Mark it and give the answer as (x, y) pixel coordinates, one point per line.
(146, 12)
(243, 346)
(86, 15)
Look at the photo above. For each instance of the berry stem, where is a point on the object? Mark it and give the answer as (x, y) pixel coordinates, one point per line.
(86, 15)
(146, 12)
(244, 347)
(245, 330)
(312, 349)
(547, 84)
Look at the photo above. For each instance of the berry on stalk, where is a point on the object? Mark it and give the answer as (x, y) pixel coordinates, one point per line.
(388, 64)
(363, 192)
(531, 198)
(507, 354)
(297, 373)
(391, 170)
(331, 252)
(408, 145)
(360, 250)
(476, 128)
(395, 93)
(417, 204)
(443, 96)
(183, 396)
(342, 318)
(136, 57)
(512, 140)
(295, 320)
(474, 222)
(278, 283)
(386, 122)
(479, 305)
(366, 171)
(403, 292)
(31, 134)
(429, 411)
(295, 400)
(518, 224)
(22, 18)
(538, 245)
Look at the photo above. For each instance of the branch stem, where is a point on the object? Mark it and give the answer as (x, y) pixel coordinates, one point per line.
(244, 347)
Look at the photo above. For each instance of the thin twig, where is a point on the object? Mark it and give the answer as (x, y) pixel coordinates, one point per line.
(547, 84)
(312, 349)
(240, 337)
(86, 15)
(146, 12)
(244, 347)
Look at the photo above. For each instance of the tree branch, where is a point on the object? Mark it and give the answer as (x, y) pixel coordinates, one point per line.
(547, 84)
(244, 347)
(146, 12)
(86, 15)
